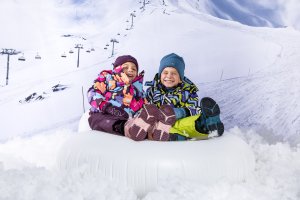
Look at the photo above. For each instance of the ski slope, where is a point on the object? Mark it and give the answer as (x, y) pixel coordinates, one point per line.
(252, 72)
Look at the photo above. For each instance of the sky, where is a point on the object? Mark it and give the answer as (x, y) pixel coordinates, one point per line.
(251, 71)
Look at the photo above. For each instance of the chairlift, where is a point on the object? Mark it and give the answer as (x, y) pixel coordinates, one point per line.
(92, 49)
(107, 45)
(88, 51)
(105, 48)
(71, 51)
(38, 56)
(63, 55)
(22, 58)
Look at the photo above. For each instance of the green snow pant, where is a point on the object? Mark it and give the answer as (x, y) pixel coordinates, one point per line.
(186, 127)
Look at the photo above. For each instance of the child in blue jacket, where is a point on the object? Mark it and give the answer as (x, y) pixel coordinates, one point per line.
(173, 112)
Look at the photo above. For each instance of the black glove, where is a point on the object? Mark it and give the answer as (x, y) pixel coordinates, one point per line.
(116, 111)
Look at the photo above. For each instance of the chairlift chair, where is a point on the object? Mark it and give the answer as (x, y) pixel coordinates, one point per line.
(38, 56)
(63, 55)
(22, 58)
(92, 49)
(105, 48)
(88, 51)
(71, 51)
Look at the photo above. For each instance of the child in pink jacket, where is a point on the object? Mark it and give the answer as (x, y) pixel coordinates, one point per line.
(116, 95)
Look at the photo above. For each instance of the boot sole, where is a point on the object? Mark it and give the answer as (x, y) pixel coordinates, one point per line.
(137, 133)
(147, 118)
(218, 127)
(209, 107)
(166, 119)
(167, 115)
(149, 113)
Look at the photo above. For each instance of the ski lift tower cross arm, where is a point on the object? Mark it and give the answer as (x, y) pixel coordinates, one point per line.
(78, 46)
(8, 52)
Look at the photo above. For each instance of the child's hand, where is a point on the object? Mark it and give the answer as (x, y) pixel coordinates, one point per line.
(127, 98)
(111, 84)
(122, 78)
(117, 78)
(125, 78)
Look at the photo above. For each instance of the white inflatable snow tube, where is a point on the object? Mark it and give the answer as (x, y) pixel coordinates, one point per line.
(84, 123)
(141, 165)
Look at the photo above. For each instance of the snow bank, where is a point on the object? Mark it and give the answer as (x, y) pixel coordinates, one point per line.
(30, 160)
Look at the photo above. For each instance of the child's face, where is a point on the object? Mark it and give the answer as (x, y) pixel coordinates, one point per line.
(170, 77)
(130, 70)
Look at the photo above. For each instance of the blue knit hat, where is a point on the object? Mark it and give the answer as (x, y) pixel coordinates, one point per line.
(172, 60)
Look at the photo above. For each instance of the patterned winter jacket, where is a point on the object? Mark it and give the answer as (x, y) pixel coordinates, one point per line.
(112, 86)
(183, 96)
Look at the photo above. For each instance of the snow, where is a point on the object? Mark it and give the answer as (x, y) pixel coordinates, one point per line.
(252, 72)
(32, 174)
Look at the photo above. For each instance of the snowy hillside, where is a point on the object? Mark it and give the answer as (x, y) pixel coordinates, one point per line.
(252, 71)
(266, 13)
(266, 100)
(241, 51)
